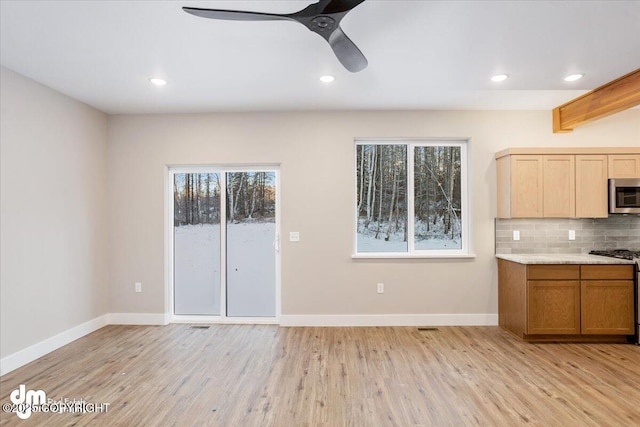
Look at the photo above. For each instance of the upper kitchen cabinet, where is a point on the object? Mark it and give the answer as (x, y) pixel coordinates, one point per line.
(520, 186)
(624, 166)
(591, 186)
(536, 186)
(558, 186)
(560, 182)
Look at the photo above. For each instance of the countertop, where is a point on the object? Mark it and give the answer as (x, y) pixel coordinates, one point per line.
(561, 259)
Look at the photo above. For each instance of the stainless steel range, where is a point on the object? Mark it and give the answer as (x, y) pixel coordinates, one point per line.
(631, 256)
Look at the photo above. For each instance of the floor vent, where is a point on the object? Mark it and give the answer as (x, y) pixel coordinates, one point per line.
(428, 329)
(199, 327)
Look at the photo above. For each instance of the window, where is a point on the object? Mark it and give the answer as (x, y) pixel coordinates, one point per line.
(411, 198)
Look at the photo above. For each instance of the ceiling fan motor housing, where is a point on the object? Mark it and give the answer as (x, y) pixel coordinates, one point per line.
(322, 23)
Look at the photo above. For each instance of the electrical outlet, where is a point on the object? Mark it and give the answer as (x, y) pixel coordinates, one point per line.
(138, 287)
(572, 234)
(516, 234)
(294, 236)
(381, 288)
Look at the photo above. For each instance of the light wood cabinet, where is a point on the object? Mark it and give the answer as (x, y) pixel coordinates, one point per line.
(624, 165)
(591, 186)
(558, 186)
(566, 302)
(526, 184)
(560, 182)
(532, 186)
(606, 300)
(553, 299)
(512, 296)
(553, 307)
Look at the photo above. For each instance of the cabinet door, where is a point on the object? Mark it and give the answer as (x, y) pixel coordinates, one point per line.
(624, 166)
(607, 307)
(553, 307)
(559, 186)
(526, 186)
(591, 186)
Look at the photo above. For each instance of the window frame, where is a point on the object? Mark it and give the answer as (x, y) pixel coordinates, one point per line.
(465, 203)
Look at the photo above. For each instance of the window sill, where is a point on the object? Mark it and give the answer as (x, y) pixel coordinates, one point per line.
(412, 256)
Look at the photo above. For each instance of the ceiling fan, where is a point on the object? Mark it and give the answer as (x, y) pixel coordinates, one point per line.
(322, 18)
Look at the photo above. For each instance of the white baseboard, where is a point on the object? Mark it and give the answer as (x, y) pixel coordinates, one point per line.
(139, 318)
(29, 354)
(389, 320)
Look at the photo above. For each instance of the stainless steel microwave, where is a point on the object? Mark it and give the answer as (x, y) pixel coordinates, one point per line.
(624, 196)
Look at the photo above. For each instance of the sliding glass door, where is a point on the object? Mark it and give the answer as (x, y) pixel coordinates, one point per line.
(230, 270)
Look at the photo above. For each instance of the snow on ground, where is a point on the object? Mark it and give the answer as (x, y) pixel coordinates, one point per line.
(196, 269)
(371, 244)
(250, 269)
(438, 244)
(435, 238)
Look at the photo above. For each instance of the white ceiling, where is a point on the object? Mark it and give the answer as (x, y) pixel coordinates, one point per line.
(422, 54)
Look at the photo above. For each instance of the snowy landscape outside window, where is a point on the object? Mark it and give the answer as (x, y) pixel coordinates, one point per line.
(411, 198)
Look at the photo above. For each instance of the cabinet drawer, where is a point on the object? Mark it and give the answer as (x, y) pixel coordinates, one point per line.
(606, 272)
(553, 272)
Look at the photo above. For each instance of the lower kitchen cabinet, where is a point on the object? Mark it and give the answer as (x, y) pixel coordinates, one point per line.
(553, 307)
(607, 300)
(566, 302)
(553, 299)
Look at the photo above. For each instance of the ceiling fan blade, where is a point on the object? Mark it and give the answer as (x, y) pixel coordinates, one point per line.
(323, 18)
(235, 15)
(339, 6)
(347, 52)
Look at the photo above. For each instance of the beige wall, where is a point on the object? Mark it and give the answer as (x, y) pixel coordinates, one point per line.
(53, 213)
(316, 154)
(82, 205)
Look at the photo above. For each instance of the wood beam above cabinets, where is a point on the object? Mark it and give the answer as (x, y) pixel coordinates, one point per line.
(613, 97)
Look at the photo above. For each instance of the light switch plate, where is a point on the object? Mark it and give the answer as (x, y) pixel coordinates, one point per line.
(294, 236)
(516, 234)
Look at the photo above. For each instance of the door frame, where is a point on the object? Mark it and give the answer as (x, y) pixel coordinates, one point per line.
(223, 169)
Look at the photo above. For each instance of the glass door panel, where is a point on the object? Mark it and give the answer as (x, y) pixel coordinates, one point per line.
(196, 227)
(250, 244)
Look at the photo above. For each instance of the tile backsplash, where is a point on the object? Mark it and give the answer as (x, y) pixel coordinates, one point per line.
(552, 235)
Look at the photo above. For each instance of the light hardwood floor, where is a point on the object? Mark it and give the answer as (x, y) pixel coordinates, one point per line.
(243, 375)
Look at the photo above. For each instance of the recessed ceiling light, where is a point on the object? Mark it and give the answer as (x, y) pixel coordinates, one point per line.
(327, 79)
(499, 78)
(157, 81)
(573, 77)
